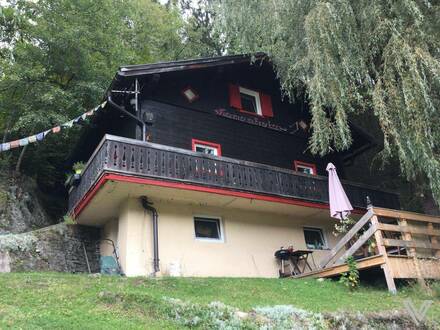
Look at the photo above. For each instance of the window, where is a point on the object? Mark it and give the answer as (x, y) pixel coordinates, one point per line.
(250, 101)
(303, 167)
(207, 228)
(190, 94)
(208, 148)
(314, 238)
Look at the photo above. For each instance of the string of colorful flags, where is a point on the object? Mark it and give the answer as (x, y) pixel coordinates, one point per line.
(40, 136)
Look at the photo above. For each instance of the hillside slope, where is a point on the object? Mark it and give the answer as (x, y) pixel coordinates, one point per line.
(50, 300)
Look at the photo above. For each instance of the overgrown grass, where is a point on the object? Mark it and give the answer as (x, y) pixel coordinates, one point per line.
(53, 300)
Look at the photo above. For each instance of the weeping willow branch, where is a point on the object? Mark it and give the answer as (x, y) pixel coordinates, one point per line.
(350, 57)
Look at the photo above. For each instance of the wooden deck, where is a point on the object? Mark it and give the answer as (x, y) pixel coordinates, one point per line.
(407, 247)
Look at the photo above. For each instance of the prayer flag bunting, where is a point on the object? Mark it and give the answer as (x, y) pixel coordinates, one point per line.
(32, 139)
(23, 142)
(5, 146)
(68, 124)
(15, 144)
(40, 136)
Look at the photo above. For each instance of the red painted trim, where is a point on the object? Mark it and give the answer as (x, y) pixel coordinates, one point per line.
(251, 113)
(89, 195)
(297, 163)
(266, 105)
(196, 97)
(234, 96)
(206, 143)
(179, 185)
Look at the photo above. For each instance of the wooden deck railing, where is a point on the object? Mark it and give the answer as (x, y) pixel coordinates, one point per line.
(397, 234)
(133, 157)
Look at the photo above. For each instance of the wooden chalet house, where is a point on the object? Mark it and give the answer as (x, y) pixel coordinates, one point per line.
(200, 166)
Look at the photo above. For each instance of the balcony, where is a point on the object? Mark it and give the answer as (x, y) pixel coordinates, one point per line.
(153, 161)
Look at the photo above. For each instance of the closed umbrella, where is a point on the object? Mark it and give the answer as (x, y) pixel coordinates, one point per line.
(340, 205)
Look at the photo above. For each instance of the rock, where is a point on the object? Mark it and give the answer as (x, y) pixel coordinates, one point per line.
(54, 248)
(20, 208)
(242, 315)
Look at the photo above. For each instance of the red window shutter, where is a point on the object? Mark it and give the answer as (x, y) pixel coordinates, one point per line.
(266, 105)
(234, 96)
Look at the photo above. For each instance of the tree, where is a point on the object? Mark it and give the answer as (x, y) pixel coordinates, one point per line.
(201, 36)
(350, 58)
(58, 58)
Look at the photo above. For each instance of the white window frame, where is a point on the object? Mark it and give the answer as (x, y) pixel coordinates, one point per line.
(322, 232)
(201, 145)
(221, 239)
(305, 167)
(254, 94)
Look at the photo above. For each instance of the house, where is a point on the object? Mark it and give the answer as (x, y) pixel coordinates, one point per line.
(201, 168)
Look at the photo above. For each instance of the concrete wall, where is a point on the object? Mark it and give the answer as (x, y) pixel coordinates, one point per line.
(109, 232)
(250, 240)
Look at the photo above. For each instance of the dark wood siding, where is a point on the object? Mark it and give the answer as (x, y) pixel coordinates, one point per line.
(177, 121)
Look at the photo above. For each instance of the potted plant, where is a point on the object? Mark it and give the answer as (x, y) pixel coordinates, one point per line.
(73, 179)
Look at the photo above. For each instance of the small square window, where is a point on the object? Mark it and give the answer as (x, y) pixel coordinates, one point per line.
(314, 238)
(305, 168)
(250, 101)
(190, 94)
(207, 228)
(207, 148)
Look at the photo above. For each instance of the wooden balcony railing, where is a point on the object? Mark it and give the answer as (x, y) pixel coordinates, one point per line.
(137, 158)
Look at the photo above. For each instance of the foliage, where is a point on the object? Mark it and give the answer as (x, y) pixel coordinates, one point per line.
(201, 37)
(351, 278)
(351, 58)
(57, 60)
(78, 167)
(68, 220)
(344, 225)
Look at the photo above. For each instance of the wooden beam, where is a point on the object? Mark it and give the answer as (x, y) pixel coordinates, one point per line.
(404, 266)
(369, 262)
(412, 253)
(411, 216)
(348, 236)
(361, 241)
(434, 239)
(430, 231)
(410, 244)
(382, 250)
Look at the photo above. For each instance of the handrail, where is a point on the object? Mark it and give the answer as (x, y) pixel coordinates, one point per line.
(347, 237)
(384, 227)
(134, 157)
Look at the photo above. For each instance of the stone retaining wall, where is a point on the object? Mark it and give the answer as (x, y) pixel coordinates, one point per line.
(55, 248)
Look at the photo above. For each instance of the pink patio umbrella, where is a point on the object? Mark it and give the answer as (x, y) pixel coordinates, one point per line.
(340, 206)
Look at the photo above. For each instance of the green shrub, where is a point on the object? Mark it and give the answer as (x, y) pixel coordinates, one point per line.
(351, 278)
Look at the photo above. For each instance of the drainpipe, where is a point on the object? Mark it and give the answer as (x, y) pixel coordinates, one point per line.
(142, 124)
(147, 205)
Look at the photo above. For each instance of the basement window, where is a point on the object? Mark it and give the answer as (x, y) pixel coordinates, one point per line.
(208, 228)
(314, 238)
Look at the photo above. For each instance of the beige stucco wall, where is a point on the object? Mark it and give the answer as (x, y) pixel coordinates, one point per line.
(250, 240)
(109, 231)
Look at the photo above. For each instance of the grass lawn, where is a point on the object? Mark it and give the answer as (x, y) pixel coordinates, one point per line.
(53, 300)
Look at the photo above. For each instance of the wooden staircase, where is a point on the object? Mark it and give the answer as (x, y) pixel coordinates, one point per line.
(407, 246)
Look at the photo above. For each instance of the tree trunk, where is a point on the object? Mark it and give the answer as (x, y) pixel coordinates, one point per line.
(19, 161)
